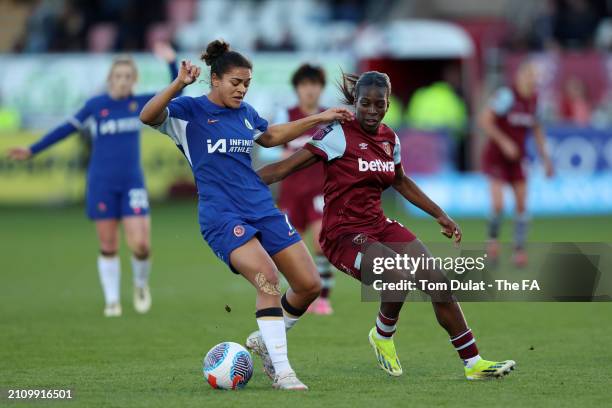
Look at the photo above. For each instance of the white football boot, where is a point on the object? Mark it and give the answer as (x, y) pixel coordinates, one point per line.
(289, 381)
(142, 299)
(112, 310)
(255, 343)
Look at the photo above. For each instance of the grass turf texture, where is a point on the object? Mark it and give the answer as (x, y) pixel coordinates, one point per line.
(53, 335)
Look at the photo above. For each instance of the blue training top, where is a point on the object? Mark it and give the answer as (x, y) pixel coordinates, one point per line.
(114, 126)
(217, 142)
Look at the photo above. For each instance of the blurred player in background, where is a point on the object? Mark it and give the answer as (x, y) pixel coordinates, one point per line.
(237, 215)
(362, 159)
(301, 194)
(116, 190)
(508, 118)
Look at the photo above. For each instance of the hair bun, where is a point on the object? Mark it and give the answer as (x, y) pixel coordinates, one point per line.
(214, 50)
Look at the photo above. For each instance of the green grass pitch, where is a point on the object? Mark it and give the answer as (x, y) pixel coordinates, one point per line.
(53, 335)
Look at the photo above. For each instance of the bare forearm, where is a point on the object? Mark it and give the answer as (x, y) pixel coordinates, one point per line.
(272, 173)
(153, 113)
(285, 132)
(276, 172)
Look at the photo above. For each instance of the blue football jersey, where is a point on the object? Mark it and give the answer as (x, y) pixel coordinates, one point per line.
(114, 126)
(217, 142)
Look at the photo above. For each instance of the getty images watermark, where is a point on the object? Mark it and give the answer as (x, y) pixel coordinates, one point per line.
(405, 264)
(553, 272)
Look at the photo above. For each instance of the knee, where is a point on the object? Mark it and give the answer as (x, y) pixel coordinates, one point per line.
(309, 284)
(312, 288)
(442, 299)
(141, 249)
(108, 253)
(109, 247)
(267, 281)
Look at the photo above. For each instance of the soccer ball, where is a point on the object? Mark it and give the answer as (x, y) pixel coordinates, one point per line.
(228, 366)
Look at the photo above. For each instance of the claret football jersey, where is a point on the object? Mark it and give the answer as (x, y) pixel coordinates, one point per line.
(515, 116)
(358, 168)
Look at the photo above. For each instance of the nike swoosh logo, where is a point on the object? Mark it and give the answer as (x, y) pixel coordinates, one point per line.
(211, 121)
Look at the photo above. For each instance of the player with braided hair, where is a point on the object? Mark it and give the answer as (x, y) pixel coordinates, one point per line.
(361, 159)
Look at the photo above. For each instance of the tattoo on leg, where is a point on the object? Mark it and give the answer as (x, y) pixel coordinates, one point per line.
(267, 286)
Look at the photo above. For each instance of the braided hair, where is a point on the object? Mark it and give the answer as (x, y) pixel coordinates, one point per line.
(351, 84)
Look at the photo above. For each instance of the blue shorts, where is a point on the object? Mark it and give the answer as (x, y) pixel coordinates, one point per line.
(115, 202)
(275, 233)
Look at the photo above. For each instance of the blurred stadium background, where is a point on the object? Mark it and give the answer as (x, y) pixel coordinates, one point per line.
(444, 58)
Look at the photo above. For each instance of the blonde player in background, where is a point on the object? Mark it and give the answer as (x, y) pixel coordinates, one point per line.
(116, 192)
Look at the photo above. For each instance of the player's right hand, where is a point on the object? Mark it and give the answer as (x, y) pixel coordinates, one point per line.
(450, 229)
(188, 73)
(339, 114)
(19, 153)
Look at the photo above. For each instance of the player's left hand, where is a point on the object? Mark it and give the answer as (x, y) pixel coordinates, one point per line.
(164, 50)
(450, 229)
(339, 114)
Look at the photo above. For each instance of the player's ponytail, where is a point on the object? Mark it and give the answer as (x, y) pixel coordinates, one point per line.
(351, 84)
(347, 87)
(221, 58)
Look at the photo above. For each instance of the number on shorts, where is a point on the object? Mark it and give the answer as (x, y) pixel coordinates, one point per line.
(138, 198)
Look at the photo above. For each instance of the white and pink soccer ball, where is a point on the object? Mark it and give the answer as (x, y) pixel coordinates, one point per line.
(228, 366)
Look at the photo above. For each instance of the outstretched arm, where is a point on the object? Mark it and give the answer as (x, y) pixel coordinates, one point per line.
(275, 172)
(411, 192)
(154, 112)
(57, 134)
(285, 132)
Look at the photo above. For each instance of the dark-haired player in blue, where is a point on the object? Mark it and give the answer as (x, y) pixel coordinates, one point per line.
(115, 183)
(238, 218)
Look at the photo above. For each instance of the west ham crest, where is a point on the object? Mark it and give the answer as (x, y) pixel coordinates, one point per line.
(386, 148)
